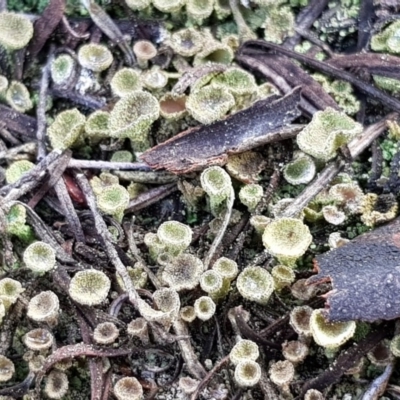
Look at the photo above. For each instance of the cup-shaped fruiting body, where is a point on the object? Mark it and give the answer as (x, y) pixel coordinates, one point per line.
(347, 195)
(173, 107)
(35, 364)
(10, 290)
(244, 350)
(66, 129)
(377, 209)
(105, 179)
(333, 215)
(250, 195)
(122, 156)
(299, 319)
(259, 223)
(301, 291)
(217, 184)
(154, 245)
(138, 277)
(38, 339)
(7, 369)
(187, 42)
(154, 79)
(287, 239)
(183, 272)
(314, 394)
(381, 355)
(15, 31)
(198, 10)
(132, 116)
(144, 51)
(294, 351)
(168, 305)
(175, 236)
(187, 314)
(388, 39)
(281, 373)
(335, 240)
(300, 171)
(283, 276)
(226, 268)
(96, 126)
(138, 327)
(62, 69)
(256, 284)
(138, 5)
(209, 104)
(279, 24)
(213, 284)
(105, 333)
(44, 307)
(395, 346)
(204, 308)
(113, 200)
(56, 386)
(128, 388)
(18, 97)
(214, 52)
(247, 373)
(40, 257)
(188, 384)
(330, 334)
(326, 133)
(95, 57)
(237, 81)
(89, 287)
(125, 81)
(17, 169)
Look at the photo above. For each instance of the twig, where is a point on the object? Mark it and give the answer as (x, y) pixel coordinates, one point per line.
(103, 232)
(378, 385)
(73, 33)
(150, 197)
(364, 87)
(208, 377)
(217, 240)
(41, 108)
(94, 164)
(69, 210)
(188, 354)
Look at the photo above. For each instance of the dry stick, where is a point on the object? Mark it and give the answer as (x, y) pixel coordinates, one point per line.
(30, 179)
(208, 377)
(275, 78)
(188, 354)
(103, 232)
(378, 385)
(55, 175)
(150, 197)
(7, 253)
(245, 33)
(41, 109)
(17, 151)
(217, 240)
(364, 87)
(70, 212)
(355, 147)
(305, 20)
(92, 164)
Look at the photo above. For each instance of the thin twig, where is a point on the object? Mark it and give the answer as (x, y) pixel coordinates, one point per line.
(103, 232)
(94, 164)
(208, 377)
(217, 240)
(41, 108)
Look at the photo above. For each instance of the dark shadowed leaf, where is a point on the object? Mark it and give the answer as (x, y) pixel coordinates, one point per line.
(365, 275)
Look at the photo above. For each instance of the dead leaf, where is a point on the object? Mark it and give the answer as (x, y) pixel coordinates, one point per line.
(365, 276)
(207, 145)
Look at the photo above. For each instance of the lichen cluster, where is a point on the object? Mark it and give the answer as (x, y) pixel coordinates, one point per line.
(212, 269)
